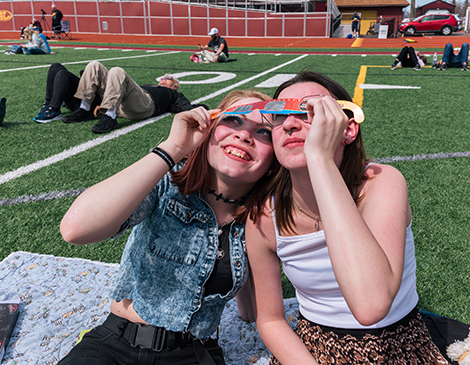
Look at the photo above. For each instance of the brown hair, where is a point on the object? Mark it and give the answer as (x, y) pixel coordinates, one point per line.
(195, 176)
(352, 165)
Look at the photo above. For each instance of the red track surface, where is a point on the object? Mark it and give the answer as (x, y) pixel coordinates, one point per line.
(290, 44)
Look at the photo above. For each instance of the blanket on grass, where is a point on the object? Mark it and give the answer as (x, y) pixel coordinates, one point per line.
(60, 297)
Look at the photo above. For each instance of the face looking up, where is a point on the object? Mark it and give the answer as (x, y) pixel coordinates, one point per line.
(241, 146)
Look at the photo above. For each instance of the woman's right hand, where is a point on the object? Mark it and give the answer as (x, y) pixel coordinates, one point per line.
(187, 132)
(327, 127)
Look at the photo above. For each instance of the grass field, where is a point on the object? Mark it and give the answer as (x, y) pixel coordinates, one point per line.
(417, 121)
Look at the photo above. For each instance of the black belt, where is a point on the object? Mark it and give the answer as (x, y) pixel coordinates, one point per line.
(147, 336)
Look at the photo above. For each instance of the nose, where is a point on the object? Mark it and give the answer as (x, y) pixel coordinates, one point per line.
(244, 135)
(292, 122)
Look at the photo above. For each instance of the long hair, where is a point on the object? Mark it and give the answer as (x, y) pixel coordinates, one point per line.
(195, 176)
(352, 165)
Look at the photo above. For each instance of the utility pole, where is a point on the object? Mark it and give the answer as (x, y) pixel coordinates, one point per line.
(413, 9)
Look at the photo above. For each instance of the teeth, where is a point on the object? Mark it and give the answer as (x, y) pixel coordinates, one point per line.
(235, 153)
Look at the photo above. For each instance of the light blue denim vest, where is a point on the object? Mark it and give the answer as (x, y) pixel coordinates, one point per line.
(169, 256)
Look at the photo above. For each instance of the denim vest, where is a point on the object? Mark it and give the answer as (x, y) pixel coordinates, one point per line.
(169, 256)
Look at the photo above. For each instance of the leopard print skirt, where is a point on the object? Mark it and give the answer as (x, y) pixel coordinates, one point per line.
(406, 342)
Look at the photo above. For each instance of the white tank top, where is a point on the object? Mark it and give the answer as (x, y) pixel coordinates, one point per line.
(306, 263)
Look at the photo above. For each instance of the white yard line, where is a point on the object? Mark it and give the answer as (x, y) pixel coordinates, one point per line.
(88, 61)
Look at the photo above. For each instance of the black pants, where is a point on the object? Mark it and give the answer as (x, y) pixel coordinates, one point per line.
(105, 345)
(61, 87)
(408, 57)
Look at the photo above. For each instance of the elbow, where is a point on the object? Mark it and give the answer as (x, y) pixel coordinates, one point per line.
(69, 229)
(369, 315)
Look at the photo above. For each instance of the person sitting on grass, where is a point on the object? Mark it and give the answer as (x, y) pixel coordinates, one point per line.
(341, 227)
(409, 57)
(61, 86)
(122, 97)
(454, 57)
(186, 256)
(34, 24)
(38, 44)
(219, 44)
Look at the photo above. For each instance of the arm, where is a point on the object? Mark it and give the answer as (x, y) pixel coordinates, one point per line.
(181, 104)
(219, 51)
(44, 38)
(245, 302)
(270, 321)
(99, 211)
(366, 243)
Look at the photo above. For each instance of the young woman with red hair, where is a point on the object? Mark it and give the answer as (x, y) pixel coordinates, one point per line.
(186, 256)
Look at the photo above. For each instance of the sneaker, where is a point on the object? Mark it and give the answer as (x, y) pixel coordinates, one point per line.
(464, 67)
(105, 125)
(443, 67)
(44, 107)
(394, 66)
(417, 68)
(49, 115)
(79, 115)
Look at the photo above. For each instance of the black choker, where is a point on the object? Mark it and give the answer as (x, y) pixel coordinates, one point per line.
(225, 200)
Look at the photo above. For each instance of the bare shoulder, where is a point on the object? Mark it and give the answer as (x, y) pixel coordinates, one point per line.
(383, 175)
(262, 232)
(385, 189)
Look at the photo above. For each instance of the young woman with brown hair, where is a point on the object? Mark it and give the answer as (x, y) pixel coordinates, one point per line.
(341, 227)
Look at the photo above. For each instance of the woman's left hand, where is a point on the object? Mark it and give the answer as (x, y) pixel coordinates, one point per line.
(328, 122)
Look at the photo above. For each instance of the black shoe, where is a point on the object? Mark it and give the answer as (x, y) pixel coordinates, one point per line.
(443, 67)
(394, 65)
(105, 125)
(79, 115)
(464, 67)
(417, 67)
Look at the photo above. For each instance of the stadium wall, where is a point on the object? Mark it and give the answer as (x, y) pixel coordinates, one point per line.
(164, 18)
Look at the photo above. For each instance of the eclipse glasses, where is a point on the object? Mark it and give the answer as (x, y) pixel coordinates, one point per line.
(276, 111)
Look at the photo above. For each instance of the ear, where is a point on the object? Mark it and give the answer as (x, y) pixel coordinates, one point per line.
(350, 132)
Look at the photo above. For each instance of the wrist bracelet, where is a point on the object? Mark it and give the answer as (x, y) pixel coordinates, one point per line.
(164, 156)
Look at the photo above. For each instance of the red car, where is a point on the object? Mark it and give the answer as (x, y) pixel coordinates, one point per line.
(433, 23)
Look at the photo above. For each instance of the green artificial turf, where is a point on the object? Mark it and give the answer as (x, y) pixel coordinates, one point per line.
(399, 122)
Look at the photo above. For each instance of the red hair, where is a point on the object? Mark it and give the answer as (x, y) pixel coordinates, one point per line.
(195, 176)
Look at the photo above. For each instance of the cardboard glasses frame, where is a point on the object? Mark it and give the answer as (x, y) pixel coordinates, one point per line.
(286, 107)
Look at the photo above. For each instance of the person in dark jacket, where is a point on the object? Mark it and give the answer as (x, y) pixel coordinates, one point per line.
(122, 97)
(56, 16)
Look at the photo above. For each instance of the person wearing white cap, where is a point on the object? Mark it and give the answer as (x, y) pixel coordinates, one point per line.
(219, 44)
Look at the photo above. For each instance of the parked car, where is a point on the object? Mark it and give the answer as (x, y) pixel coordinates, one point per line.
(433, 23)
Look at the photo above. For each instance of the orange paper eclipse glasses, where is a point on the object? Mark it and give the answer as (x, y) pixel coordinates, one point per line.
(281, 108)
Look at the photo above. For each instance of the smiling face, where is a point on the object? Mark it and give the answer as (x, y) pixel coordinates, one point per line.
(240, 151)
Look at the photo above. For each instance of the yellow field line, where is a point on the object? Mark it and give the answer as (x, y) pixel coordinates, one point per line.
(357, 42)
(358, 92)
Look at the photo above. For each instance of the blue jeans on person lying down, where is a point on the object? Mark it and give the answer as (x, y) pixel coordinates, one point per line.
(31, 50)
(452, 60)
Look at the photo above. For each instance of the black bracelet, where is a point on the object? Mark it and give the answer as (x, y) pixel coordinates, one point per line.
(164, 155)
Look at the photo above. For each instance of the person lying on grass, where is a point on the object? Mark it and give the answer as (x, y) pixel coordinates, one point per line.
(122, 97)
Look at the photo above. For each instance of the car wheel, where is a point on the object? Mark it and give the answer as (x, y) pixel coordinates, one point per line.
(446, 30)
(410, 30)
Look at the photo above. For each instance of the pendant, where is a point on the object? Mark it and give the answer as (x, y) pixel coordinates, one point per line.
(220, 253)
(219, 232)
